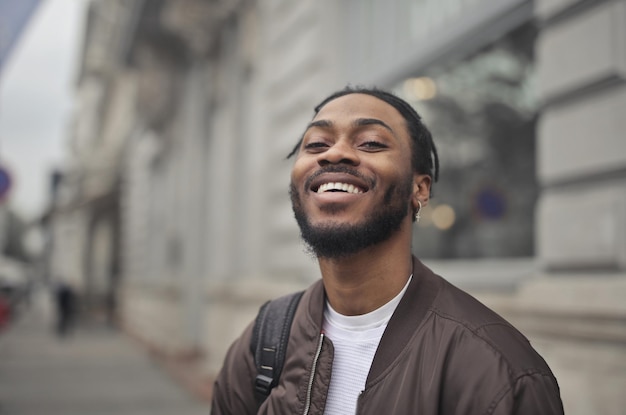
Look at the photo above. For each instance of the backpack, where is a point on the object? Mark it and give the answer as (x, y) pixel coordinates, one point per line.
(269, 341)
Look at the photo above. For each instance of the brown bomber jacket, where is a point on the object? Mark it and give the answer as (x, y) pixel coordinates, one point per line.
(443, 353)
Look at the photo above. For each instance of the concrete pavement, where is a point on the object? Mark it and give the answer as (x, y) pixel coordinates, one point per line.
(94, 371)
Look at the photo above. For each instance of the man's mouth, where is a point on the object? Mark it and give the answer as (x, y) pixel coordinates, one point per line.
(338, 187)
(339, 179)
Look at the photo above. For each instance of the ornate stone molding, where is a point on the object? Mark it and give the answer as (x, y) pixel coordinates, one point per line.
(197, 21)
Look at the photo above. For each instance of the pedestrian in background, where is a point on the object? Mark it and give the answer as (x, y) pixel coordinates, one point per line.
(66, 308)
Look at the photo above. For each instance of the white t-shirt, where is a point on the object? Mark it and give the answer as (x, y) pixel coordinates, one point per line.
(355, 340)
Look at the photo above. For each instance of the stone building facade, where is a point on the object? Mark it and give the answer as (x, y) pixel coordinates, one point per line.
(189, 107)
(576, 307)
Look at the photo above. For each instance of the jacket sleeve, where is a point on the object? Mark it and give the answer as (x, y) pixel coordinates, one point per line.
(233, 390)
(536, 394)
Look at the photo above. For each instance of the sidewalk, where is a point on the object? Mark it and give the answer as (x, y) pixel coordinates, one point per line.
(94, 371)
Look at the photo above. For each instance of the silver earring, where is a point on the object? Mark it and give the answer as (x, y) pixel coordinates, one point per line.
(417, 214)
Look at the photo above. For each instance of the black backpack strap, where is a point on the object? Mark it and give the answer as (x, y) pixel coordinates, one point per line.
(269, 341)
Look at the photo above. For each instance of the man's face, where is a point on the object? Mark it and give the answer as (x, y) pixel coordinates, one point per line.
(352, 181)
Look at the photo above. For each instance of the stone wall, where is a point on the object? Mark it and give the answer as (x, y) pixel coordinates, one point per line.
(574, 311)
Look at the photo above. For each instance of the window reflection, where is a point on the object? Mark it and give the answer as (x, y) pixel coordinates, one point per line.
(482, 112)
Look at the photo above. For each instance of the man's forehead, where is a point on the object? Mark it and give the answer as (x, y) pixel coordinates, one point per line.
(358, 106)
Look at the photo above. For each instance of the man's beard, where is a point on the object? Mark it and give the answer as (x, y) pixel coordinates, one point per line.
(337, 240)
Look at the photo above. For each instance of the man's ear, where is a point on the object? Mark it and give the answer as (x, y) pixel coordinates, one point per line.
(421, 190)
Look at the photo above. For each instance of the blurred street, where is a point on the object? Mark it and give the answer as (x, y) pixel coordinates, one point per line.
(94, 370)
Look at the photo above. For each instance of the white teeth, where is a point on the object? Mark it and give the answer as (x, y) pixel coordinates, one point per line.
(339, 186)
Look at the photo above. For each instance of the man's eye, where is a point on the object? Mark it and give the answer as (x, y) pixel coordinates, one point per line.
(315, 145)
(373, 145)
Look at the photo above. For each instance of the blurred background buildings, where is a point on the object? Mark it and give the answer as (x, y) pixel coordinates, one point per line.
(172, 216)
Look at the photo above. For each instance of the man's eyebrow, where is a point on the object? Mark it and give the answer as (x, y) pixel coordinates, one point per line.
(361, 122)
(320, 123)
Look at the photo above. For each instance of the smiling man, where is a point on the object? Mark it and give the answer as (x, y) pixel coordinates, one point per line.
(380, 333)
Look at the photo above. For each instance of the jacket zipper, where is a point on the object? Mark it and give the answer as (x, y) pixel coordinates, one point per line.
(307, 406)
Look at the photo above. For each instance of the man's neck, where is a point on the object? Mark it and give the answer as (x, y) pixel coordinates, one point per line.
(367, 280)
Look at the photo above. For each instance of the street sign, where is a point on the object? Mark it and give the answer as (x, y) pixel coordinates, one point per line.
(5, 183)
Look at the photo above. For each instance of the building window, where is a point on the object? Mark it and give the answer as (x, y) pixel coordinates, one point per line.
(482, 112)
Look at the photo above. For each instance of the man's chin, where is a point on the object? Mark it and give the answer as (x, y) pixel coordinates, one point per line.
(340, 240)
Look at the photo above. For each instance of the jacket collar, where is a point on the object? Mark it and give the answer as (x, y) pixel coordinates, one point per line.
(408, 316)
(406, 319)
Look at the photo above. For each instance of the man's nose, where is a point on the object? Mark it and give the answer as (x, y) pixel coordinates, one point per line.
(339, 152)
